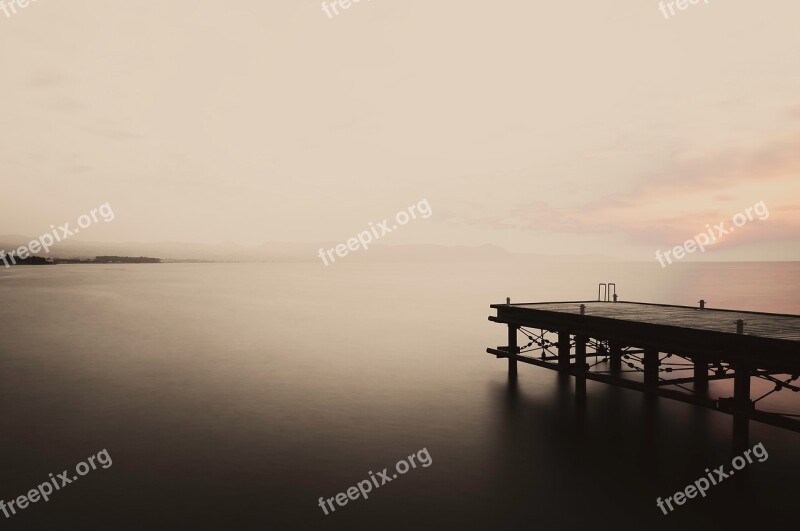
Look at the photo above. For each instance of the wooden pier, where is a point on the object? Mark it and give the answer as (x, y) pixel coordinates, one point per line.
(664, 348)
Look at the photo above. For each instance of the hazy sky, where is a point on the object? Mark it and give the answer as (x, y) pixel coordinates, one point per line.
(555, 127)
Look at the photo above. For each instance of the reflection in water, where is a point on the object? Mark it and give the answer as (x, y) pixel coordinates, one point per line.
(614, 453)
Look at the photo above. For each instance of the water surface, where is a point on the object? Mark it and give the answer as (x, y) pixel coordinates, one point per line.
(233, 396)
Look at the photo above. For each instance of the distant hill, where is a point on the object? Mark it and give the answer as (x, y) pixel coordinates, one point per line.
(277, 252)
(109, 260)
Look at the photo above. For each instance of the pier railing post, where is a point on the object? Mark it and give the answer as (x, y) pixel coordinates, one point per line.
(580, 365)
(651, 367)
(512, 351)
(563, 350)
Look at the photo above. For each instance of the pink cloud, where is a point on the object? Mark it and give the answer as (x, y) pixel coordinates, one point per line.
(686, 176)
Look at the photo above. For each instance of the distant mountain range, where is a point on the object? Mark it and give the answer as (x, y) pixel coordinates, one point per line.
(279, 252)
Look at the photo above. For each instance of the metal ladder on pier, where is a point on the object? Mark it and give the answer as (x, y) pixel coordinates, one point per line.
(604, 293)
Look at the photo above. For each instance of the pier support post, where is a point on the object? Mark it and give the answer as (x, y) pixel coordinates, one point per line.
(512, 351)
(651, 367)
(563, 350)
(580, 365)
(700, 374)
(741, 404)
(615, 353)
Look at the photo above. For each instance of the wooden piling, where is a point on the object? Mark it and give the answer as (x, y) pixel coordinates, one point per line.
(580, 365)
(651, 367)
(615, 353)
(700, 373)
(563, 350)
(741, 405)
(512, 351)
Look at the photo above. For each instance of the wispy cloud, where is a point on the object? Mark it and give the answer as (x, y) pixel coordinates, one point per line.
(678, 200)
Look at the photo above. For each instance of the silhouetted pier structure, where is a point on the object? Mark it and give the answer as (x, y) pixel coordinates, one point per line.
(656, 341)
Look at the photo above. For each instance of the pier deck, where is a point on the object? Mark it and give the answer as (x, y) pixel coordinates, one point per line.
(658, 341)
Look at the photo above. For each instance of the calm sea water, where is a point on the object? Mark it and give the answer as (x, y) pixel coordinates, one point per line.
(233, 396)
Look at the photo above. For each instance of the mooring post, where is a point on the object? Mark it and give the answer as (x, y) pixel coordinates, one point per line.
(700, 373)
(741, 405)
(563, 350)
(651, 367)
(512, 351)
(615, 353)
(580, 365)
